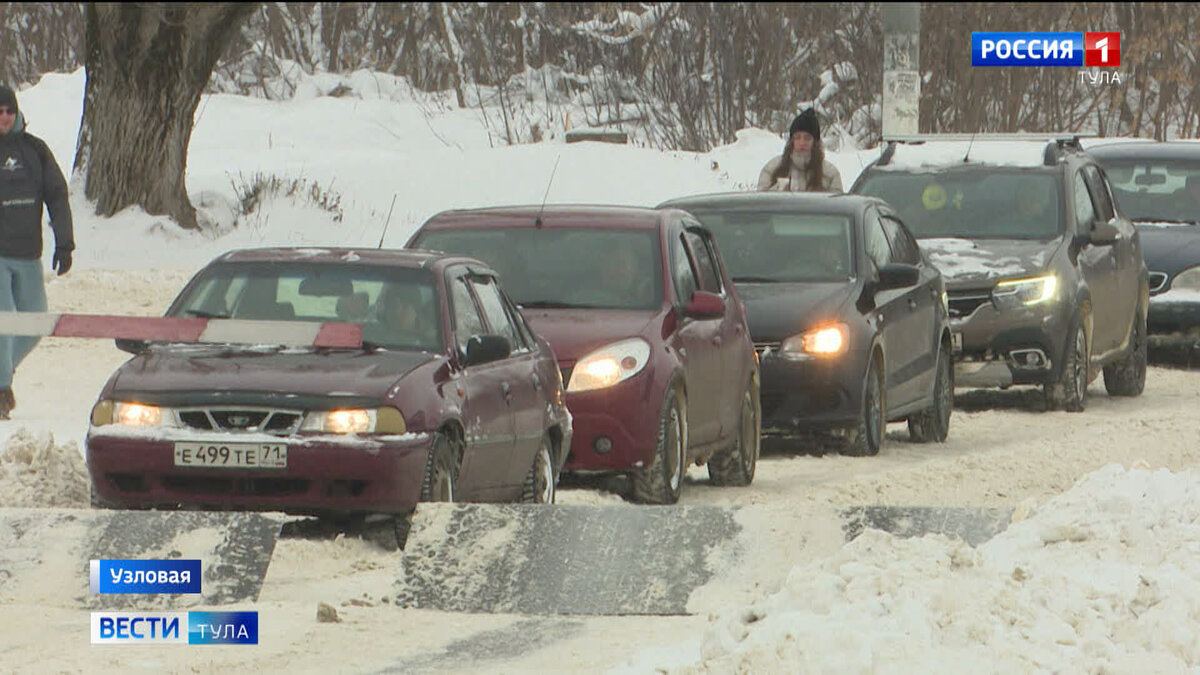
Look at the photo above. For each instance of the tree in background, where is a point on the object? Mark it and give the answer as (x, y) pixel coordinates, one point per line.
(147, 66)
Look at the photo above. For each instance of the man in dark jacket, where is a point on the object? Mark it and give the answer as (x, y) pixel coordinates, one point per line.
(29, 178)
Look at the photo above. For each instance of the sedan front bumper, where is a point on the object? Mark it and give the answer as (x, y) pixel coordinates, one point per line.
(324, 474)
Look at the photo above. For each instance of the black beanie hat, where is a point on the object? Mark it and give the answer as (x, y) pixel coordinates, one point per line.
(806, 121)
(8, 97)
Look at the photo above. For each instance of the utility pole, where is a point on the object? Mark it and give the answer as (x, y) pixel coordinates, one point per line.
(901, 68)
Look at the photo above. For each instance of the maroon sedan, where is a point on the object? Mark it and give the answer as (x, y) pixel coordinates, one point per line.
(649, 331)
(450, 398)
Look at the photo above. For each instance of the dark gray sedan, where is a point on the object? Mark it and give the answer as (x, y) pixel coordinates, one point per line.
(1157, 185)
(848, 317)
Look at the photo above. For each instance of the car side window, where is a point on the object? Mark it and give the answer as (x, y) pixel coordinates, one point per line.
(493, 308)
(876, 242)
(1085, 213)
(706, 267)
(467, 322)
(1099, 187)
(904, 247)
(681, 271)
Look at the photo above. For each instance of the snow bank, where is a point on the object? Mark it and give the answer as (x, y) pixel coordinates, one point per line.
(37, 472)
(1103, 578)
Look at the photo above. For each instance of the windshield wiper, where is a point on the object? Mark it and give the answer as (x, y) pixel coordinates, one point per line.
(205, 315)
(549, 304)
(756, 280)
(1181, 221)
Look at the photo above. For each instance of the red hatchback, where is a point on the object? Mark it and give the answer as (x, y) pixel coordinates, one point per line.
(650, 334)
(450, 398)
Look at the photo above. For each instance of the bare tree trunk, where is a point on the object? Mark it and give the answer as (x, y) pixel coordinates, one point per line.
(147, 65)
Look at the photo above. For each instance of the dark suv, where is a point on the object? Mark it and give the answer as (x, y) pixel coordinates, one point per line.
(1045, 276)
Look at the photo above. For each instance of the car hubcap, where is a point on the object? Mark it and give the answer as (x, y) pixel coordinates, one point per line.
(749, 444)
(676, 457)
(876, 410)
(1081, 362)
(545, 478)
(944, 392)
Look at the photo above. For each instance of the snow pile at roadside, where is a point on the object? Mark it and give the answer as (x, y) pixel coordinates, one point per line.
(1103, 578)
(37, 472)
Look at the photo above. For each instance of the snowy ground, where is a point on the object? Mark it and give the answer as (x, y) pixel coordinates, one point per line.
(1098, 573)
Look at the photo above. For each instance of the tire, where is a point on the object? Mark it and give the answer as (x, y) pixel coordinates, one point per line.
(1070, 391)
(735, 465)
(441, 474)
(662, 481)
(540, 485)
(932, 425)
(867, 437)
(1127, 377)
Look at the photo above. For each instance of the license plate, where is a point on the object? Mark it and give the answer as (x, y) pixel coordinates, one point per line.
(956, 342)
(232, 455)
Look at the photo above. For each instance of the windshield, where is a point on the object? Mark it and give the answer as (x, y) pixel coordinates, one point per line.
(397, 307)
(974, 204)
(564, 267)
(781, 246)
(1156, 190)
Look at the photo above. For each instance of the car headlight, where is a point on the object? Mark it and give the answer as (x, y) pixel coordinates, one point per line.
(609, 365)
(827, 340)
(385, 420)
(1023, 292)
(1188, 280)
(128, 414)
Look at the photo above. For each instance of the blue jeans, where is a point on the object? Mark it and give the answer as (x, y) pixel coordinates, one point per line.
(21, 290)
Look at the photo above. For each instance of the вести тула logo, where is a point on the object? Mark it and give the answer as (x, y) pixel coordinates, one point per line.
(1046, 49)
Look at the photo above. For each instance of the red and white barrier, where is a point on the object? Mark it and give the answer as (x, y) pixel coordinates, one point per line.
(173, 329)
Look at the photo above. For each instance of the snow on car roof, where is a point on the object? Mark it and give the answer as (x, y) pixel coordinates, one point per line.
(940, 154)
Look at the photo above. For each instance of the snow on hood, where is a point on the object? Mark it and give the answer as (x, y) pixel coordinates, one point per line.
(980, 260)
(1103, 578)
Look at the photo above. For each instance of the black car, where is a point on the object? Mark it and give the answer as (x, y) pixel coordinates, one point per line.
(848, 317)
(1045, 276)
(1157, 185)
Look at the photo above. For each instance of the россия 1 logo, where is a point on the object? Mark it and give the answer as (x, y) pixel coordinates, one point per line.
(1046, 49)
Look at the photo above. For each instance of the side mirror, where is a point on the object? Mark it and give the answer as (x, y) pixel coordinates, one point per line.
(705, 305)
(1104, 234)
(132, 346)
(897, 275)
(485, 349)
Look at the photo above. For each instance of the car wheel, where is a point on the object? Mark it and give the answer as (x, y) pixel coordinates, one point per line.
(441, 475)
(933, 424)
(540, 485)
(735, 465)
(867, 437)
(1070, 392)
(1127, 377)
(661, 482)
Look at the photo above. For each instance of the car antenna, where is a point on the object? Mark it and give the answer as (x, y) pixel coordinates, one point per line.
(968, 155)
(386, 222)
(538, 221)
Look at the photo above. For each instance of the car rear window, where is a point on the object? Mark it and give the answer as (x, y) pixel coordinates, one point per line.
(980, 203)
(397, 307)
(766, 246)
(1155, 190)
(564, 267)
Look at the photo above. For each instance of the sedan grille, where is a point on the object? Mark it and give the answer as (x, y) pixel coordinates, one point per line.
(1157, 281)
(964, 304)
(279, 422)
(761, 348)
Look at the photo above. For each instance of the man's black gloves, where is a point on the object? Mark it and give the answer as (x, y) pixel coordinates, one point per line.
(62, 261)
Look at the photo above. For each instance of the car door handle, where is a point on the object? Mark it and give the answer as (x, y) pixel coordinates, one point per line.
(537, 382)
(506, 389)
(912, 303)
(717, 340)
